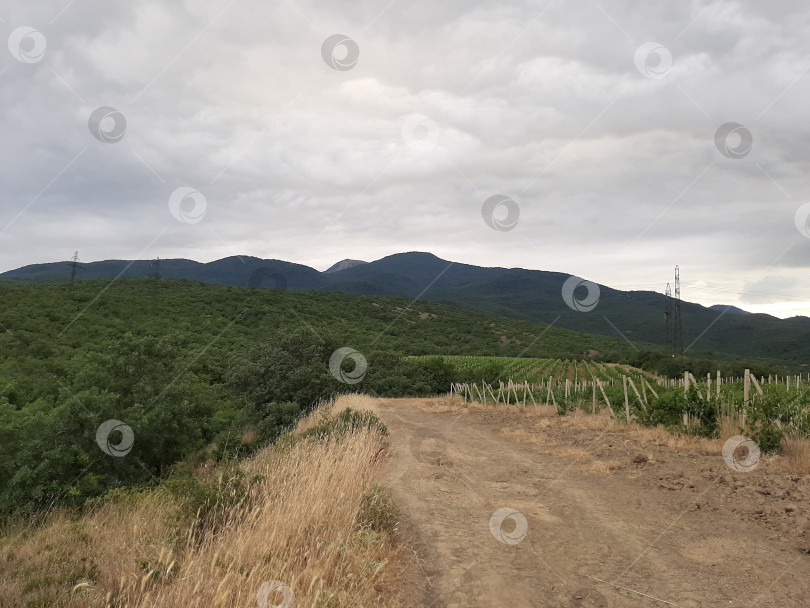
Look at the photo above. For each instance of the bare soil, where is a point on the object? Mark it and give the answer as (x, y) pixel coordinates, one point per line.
(613, 517)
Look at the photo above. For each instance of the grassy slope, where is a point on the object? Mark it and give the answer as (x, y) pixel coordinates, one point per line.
(305, 513)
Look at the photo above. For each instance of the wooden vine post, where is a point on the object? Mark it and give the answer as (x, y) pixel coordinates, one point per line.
(746, 389)
(635, 390)
(626, 399)
(757, 387)
(607, 401)
(693, 381)
(649, 386)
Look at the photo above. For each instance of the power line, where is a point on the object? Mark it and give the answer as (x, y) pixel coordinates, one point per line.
(668, 319)
(74, 267)
(677, 341)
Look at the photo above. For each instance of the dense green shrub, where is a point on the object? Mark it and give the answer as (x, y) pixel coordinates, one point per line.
(291, 367)
(49, 450)
(671, 405)
(772, 414)
(391, 375)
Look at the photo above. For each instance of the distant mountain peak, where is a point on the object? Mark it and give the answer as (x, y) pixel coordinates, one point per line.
(344, 264)
(728, 309)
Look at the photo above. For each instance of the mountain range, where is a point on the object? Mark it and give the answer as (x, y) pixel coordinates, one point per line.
(533, 295)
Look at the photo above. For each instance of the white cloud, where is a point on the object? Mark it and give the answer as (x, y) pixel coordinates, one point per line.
(617, 175)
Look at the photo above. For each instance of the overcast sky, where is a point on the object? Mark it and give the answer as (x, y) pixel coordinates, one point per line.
(249, 127)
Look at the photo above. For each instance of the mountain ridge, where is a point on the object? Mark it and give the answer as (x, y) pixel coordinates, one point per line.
(531, 295)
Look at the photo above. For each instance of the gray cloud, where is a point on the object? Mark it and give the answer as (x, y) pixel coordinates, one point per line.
(617, 175)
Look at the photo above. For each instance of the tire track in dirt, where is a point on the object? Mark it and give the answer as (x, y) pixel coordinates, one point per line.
(585, 529)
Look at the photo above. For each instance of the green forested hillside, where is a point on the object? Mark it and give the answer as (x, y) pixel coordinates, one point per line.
(188, 370)
(532, 295)
(112, 383)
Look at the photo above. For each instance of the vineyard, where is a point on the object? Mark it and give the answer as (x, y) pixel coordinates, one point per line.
(766, 408)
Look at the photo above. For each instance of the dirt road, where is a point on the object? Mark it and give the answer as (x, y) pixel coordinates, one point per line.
(586, 517)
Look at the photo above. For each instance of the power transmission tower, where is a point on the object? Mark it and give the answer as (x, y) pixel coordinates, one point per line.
(668, 321)
(74, 267)
(677, 342)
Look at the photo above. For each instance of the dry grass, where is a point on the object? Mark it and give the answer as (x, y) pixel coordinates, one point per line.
(605, 467)
(335, 406)
(602, 421)
(540, 441)
(448, 404)
(543, 411)
(656, 434)
(794, 456)
(729, 424)
(302, 524)
(523, 436)
(795, 451)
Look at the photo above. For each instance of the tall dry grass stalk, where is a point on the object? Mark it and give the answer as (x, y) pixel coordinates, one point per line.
(301, 524)
(795, 450)
(333, 407)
